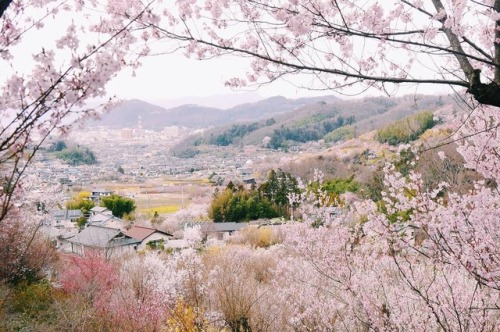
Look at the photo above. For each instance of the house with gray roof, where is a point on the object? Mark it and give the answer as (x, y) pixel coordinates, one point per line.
(61, 224)
(106, 219)
(220, 230)
(99, 209)
(65, 218)
(97, 194)
(110, 241)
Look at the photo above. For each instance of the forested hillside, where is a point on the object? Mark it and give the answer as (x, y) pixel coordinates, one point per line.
(152, 117)
(332, 121)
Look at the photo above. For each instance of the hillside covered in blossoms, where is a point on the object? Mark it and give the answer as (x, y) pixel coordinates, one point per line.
(321, 214)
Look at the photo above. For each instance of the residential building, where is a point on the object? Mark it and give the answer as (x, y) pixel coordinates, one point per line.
(97, 194)
(149, 237)
(109, 241)
(220, 230)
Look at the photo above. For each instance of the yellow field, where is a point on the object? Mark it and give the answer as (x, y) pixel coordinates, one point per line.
(163, 195)
(162, 209)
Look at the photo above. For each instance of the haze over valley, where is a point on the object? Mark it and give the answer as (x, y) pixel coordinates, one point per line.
(156, 149)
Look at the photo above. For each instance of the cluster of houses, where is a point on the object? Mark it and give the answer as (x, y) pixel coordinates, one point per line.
(73, 232)
(102, 231)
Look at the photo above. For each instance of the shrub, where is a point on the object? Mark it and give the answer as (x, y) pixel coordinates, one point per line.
(32, 299)
(256, 237)
(118, 205)
(77, 156)
(341, 134)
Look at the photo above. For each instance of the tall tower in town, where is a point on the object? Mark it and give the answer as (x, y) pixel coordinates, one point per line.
(140, 129)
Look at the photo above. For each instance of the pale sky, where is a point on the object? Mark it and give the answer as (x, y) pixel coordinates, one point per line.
(178, 79)
(172, 80)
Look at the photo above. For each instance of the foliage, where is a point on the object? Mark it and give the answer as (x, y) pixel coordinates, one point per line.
(81, 222)
(193, 236)
(277, 188)
(339, 186)
(81, 201)
(281, 136)
(77, 156)
(407, 129)
(446, 165)
(33, 299)
(375, 186)
(162, 209)
(423, 262)
(236, 205)
(27, 255)
(48, 93)
(156, 245)
(185, 318)
(29, 306)
(269, 200)
(57, 146)
(118, 205)
(185, 152)
(302, 134)
(235, 297)
(374, 45)
(236, 131)
(341, 134)
(406, 160)
(256, 237)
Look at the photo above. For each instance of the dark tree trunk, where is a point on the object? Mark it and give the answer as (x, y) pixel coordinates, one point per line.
(4, 4)
(487, 94)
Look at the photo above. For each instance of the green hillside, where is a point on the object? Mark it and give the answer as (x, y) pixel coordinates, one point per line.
(332, 121)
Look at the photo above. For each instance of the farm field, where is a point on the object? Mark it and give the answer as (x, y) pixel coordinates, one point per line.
(162, 195)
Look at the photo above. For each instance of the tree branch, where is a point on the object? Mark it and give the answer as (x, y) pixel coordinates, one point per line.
(455, 43)
(308, 68)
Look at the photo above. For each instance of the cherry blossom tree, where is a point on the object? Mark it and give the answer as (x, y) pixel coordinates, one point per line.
(343, 43)
(375, 275)
(48, 91)
(421, 258)
(27, 254)
(424, 258)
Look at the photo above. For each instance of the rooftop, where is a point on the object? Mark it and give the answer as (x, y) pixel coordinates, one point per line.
(101, 237)
(142, 232)
(67, 214)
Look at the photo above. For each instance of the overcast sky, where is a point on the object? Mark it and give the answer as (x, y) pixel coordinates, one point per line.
(172, 80)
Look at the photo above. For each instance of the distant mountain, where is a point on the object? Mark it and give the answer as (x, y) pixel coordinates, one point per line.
(268, 107)
(223, 101)
(153, 117)
(312, 119)
(285, 121)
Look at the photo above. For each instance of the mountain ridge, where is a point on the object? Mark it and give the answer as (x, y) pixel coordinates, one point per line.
(316, 121)
(153, 117)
